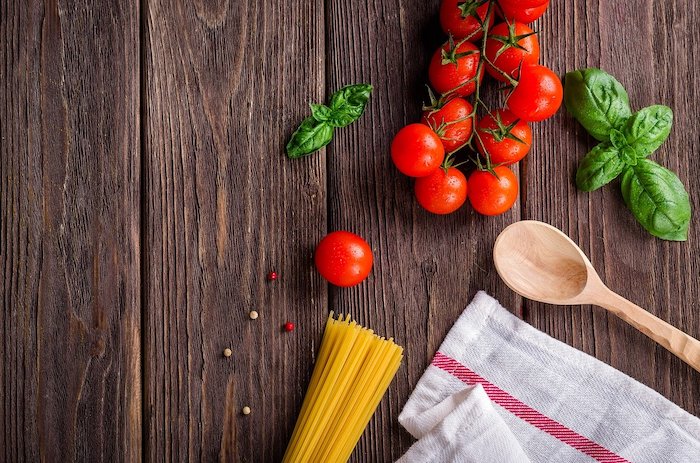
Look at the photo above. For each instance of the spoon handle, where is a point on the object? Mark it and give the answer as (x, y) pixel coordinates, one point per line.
(684, 346)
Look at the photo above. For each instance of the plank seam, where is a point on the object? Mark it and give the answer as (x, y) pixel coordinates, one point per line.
(143, 219)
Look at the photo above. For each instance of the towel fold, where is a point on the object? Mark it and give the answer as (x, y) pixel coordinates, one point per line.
(498, 390)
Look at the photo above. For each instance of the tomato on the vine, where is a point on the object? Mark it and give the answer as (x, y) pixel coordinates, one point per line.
(522, 3)
(504, 137)
(491, 194)
(453, 68)
(417, 150)
(452, 122)
(509, 46)
(537, 95)
(463, 18)
(515, 12)
(442, 192)
(343, 258)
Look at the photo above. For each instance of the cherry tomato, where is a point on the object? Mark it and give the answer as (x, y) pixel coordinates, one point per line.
(537, 95)
(343, 258)
(442, 192)
(515, 12)
(417, 150)
(452, 122)
(507, 46)
(522, 3)
(506, 138)
(458, 75)
(459, 18)
(491, 195)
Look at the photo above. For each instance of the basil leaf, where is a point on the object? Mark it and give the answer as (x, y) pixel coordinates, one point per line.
(618, 139)
(309, 137)
(348, 104)
(320, 112)
(597, 100)
(657, 199)
(647, 129)
(599, 167)
(628, 155)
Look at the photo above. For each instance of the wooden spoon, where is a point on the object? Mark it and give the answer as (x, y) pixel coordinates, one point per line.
(541, 263)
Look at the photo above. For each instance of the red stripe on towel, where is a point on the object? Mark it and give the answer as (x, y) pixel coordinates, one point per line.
(527, 413)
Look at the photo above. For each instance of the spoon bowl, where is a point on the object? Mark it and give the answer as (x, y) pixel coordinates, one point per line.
(540, 262)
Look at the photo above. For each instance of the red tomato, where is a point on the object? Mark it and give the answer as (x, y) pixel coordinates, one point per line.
(507, 46)
(522, 3)
(451, 122)
(491, 195)
(417, 150)
(442, 192)
(537, 95)
(459, 18)
(506, 138)
(459, 74)
(523, 15)
(343, 258)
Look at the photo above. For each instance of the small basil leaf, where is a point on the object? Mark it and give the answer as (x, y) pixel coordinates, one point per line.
(657, 199)
(647, 129)
(599, 167)
(348, 104)
(597, 100)
(618, 139)
(320, 112)
(629, 156)
(311, 135)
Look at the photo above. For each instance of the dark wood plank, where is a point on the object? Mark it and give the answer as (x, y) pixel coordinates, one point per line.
(652, 53)
(69, 244)
(226, 84)
(427, 267)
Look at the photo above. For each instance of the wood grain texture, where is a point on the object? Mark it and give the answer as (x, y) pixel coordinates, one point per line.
(426, 267)
(69, 245)
(226, 84)
(655, 64)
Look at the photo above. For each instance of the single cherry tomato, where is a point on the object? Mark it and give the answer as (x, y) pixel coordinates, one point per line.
(417, 150)
(537, 95)
(453, 68)
(452, 122)
(459, 18)
(343, 258)
(506, 138)
(522, 3)
(524, 15)
(491, 194)
(508, 46)
(442, 192)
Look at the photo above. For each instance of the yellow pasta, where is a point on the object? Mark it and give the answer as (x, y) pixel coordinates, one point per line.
(353, 371)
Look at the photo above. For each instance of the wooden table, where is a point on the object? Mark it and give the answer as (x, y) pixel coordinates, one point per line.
(145, 196)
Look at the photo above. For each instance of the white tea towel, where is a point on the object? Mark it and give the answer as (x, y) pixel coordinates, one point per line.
(470, 426)
(552, 402)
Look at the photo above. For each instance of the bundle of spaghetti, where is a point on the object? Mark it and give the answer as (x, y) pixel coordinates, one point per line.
(353, 371)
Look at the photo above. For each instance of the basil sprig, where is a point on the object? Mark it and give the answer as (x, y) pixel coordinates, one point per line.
(653, 193)
(316, 131)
